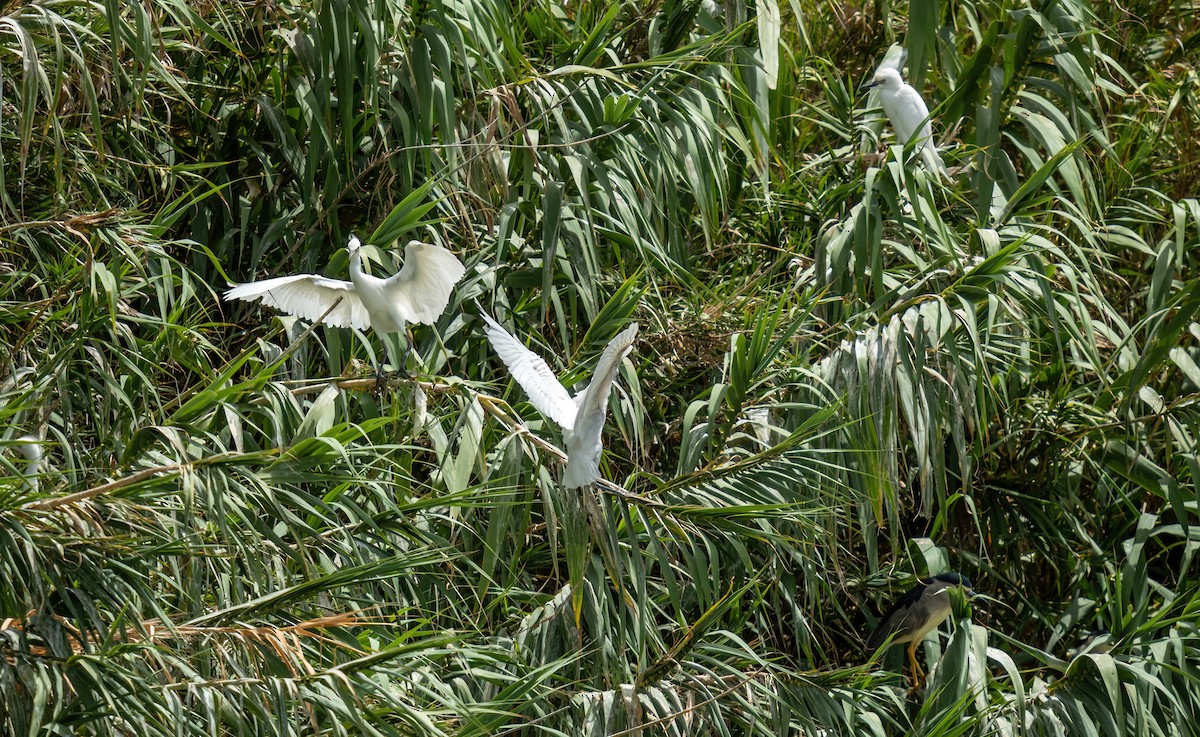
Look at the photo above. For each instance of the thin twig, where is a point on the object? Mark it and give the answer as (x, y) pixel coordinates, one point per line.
(180, 398)
(296, 343)
(433, 387)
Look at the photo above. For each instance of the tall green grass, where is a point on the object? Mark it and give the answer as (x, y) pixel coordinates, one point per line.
(849, 371)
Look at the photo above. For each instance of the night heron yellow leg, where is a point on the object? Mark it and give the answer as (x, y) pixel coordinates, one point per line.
(917, 674)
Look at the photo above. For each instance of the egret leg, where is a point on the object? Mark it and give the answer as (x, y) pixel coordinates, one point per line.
(397, 346)
(406, 339)
(379, 361)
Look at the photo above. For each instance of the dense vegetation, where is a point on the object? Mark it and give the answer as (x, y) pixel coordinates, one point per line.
(849, 371)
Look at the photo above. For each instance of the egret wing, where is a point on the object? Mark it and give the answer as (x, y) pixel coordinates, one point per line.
(308, 296)
(421, 289)
(535, 377)
(584, 443)
(909, 115)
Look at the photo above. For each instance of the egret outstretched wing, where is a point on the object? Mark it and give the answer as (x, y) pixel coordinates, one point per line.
(584, 441)
(535, 377)
(308, 296)
(421, 289)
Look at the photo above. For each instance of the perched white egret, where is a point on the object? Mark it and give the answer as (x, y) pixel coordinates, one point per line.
(419, 292)
(581, 418)
(907, 112)
(31, 447)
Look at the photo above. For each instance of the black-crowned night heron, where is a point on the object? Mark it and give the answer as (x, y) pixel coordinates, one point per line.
(922, 609)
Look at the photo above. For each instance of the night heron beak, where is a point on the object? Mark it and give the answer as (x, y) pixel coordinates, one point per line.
(917, 613)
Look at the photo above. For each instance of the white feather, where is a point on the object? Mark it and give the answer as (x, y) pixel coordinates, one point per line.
(308, 296)
(582, 418)
(545, 391)
(421, 289)
(31, 448)
(908, 114)
(419, 292)
(584, 445)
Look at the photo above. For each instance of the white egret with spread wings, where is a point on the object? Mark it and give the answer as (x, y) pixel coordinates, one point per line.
(582, 417)
(419, 292)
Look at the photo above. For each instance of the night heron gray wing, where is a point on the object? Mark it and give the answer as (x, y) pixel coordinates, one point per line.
(894, 621)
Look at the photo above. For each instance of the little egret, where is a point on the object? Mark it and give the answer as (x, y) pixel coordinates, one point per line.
(581, 418)
(918, 612)
(419, 292)
(908, 113)
(31, 447)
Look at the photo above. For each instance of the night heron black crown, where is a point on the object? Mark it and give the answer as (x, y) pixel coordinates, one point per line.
(954, 579)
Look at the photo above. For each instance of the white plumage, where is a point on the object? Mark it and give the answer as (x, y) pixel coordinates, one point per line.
(581, 418)
(419, 292)
(907, 112)
(31, 447)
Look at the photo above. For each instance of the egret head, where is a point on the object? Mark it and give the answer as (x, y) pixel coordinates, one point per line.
(354, 244)
(887, 78)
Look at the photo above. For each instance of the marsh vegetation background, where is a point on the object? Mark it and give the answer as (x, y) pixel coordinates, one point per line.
(849, 371)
